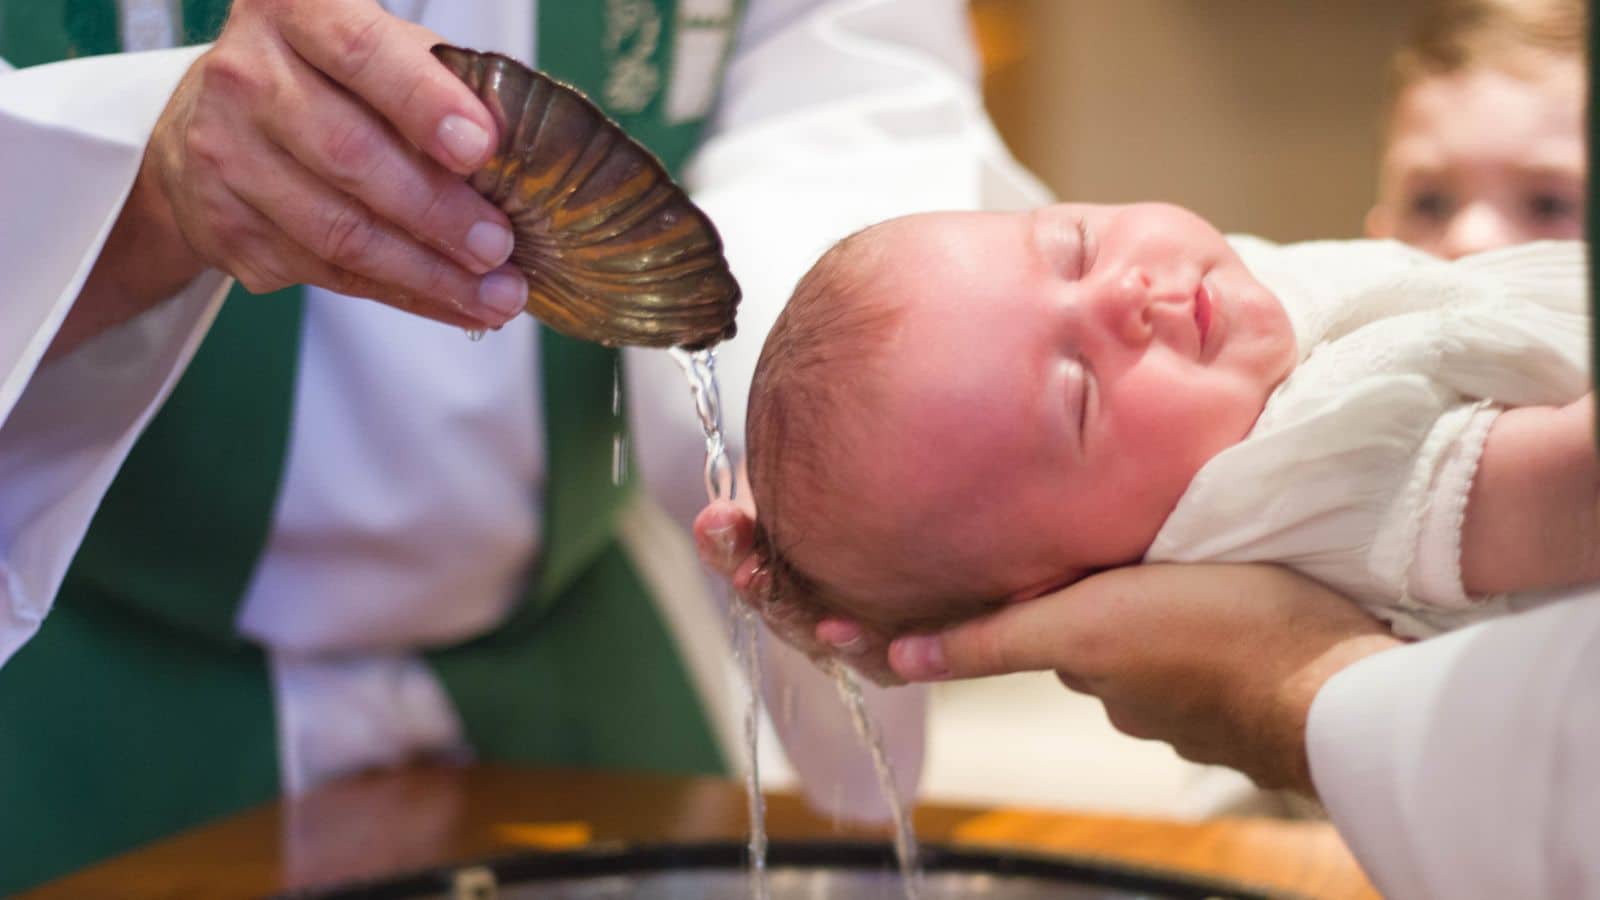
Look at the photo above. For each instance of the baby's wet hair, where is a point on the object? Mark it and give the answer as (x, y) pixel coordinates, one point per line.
(819, 357)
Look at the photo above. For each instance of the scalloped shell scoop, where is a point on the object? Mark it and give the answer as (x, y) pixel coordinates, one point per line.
(613, 250)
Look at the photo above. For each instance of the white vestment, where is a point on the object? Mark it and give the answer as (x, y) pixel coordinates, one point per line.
(1357, 473)
(1464, 766)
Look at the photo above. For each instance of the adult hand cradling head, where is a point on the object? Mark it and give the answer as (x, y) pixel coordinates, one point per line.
(1157, 644)
(1160, 646)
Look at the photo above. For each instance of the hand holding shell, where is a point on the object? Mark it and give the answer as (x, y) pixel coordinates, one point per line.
(613, 250)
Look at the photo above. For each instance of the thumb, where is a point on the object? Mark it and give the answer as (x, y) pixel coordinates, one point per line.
(724, 535)
(1023, 637)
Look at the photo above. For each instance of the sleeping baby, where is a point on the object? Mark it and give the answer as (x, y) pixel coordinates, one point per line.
(958, 410)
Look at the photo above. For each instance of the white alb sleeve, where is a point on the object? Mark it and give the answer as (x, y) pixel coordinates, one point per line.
(833, 115)
(1465, 766)
(74, 134)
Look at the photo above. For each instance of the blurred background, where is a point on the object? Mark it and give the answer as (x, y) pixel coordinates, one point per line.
(1261, 115)
(1264, 117)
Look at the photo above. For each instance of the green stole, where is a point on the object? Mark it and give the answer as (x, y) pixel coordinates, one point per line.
(138, 710)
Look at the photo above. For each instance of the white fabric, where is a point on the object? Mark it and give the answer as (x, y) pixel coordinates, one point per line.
(150, 24)
(1398, 351)
(409, 483)
(73, 136)
(1435, 576)
(1465, 766)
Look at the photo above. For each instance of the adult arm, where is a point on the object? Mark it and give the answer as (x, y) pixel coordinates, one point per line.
(135, 183)
(833, 115)
(1461, 766)
(312, 144)
(1465, 765)
(1220, 661)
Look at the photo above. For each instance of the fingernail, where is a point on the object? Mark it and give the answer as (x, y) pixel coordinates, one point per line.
(490, 243)
(922, 658)
(759, 587)
(721, 546)
(464, 139)
(850, 647)
(504, 292)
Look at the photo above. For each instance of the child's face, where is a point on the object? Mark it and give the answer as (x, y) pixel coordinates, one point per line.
(1057, 379)
(1485, 158)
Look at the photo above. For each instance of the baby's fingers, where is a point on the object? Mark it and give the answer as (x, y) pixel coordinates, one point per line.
(861, 648)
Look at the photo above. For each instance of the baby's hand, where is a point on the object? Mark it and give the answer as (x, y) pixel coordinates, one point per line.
(725, 538)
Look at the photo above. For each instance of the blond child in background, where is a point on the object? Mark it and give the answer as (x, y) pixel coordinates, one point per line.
(1484, 143)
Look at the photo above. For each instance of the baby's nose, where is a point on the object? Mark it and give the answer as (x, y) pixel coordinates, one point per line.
(1124, 307)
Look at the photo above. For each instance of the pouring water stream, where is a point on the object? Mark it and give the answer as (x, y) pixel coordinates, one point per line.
(699, 367)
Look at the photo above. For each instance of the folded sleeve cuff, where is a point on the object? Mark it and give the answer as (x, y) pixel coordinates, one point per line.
(1435, 576)
(74, 134)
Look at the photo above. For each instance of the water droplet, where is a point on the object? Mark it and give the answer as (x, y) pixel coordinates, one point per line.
(619, 458)
(616, 387)
(475, 334)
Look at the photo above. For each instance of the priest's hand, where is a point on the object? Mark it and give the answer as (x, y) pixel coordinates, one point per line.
(317, 142)
(1222, 662)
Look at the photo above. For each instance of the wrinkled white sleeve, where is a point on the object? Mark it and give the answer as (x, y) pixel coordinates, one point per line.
(833, 116)
(1468, 765)
(73, 135)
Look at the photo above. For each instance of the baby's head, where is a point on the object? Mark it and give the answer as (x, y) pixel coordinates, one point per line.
(1484, 144)
(962, 409)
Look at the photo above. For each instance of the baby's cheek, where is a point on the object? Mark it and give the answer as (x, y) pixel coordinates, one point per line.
(1165, 423)
(1157, 464)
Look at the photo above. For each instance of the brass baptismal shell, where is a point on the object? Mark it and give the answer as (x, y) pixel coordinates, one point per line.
(613, 250)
